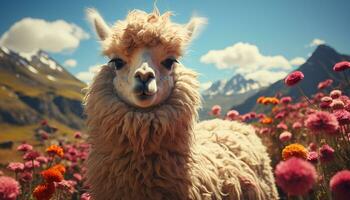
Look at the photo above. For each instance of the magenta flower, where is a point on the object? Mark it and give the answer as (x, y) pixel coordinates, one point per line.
(16, 166)
(295, 176)
(312, 157)
(282, 125)
(216, 110)
(324, 84)
(26, 177)
(340, 185)
(9, 188)
(322, 121)
(31, 155)
(77, 135)
(341, 66)
(343, 116)
(24, 147)
(286, 100)
(326, 153)
(285, 136)
(232, 114)
(294, 78)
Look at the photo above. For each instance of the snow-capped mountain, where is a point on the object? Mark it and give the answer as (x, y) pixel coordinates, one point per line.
(227, 93)
(33, 86)
(236, 85)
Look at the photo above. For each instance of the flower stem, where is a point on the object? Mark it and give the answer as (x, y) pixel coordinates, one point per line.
(304, 95)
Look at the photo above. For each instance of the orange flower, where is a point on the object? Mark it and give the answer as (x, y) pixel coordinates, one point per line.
(44, 191)
(274, 100)
(266, 120)
(294, 150)
(260, 99)
(55, 150)
(52, 175)
(60, 168)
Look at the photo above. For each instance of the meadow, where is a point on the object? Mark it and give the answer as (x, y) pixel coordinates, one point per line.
(308, 140)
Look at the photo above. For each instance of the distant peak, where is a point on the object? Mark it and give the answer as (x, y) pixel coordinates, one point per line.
(323, 48)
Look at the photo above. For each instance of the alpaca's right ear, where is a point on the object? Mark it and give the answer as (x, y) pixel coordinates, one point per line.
(101, 27)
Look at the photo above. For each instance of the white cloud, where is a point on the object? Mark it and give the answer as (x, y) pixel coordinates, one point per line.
(316, 42)
(297, 61)
(206, 85)
(29, 35)
(265, 77)
(246, 59)
(244, 56)
(70, 63)
(87, 76)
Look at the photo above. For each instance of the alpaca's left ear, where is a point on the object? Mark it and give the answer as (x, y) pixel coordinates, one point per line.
(195, 25)
(101, 27)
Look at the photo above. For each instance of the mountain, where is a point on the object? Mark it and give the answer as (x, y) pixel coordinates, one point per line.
(35, 87)
(317, 68)
(227, 93)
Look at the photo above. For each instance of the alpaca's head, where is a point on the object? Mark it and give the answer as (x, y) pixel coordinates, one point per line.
(144, 52)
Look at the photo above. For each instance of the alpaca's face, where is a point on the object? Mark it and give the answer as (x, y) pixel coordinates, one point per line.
(144, 49)
(145, 78)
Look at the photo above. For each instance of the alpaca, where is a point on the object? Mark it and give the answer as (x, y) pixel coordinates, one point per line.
(142, 118)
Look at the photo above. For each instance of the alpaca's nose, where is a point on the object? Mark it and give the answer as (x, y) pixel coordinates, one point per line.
(144, 73)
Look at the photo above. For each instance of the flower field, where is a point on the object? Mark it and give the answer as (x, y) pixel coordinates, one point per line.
(308, 140)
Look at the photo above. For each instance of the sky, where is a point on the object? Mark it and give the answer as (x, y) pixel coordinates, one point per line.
(261, 39)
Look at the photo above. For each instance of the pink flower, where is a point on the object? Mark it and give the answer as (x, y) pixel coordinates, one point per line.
(322, 121)
(232, 114)
(24, 147)
(327, 99)
(285, 136)
(42, 159)
(297, 125)
(85, 196)
(340, 185)
(286, 100)
(335, 94)
(326, 153)
(325, 84)
(294, 78)
(337, 104)
(312, 157)
(1, 173)
(9, 188)
(216, 110)
(44, 135)
(29, 164)
(342, 116)
(16, 166)
(282, 125)
(67, 185)
(341, 66)
(295, 176)
(31, 155)
(77, 176)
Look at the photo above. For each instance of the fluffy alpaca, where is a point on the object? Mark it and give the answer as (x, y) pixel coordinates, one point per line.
(146, 143)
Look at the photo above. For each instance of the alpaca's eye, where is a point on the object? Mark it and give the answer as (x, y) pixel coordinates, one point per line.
(168, 63)
(117, 63)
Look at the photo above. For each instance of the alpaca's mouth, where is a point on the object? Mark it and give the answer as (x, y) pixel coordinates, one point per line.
(144, 96)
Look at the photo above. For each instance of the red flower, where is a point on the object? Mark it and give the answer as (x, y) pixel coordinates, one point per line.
(295, 176)
(44, 191)
(294, 78)
(340, 185)
(341, 66)
(52, 175)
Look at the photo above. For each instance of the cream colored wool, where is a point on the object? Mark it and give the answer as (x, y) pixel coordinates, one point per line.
(162, 153)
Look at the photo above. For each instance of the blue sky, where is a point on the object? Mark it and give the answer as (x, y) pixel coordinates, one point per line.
(264, 36)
